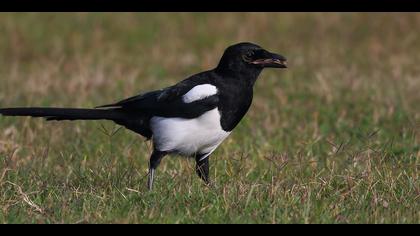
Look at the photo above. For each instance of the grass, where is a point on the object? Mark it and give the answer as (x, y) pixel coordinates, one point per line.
(333, 139)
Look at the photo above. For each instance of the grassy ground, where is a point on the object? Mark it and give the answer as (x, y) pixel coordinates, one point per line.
(333, 139)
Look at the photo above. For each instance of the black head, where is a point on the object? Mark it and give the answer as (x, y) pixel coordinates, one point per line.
(249, 58)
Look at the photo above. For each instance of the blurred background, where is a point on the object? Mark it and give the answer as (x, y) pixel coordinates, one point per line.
(351, 92)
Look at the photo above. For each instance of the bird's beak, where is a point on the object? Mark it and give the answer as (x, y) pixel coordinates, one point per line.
(272, 60)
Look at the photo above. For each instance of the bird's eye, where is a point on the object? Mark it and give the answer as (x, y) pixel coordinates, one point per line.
(248, 56)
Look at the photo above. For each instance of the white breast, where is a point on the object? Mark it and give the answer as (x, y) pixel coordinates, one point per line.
(199, 92)
(187, 137)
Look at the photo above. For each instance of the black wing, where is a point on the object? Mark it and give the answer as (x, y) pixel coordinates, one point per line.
(167, 102)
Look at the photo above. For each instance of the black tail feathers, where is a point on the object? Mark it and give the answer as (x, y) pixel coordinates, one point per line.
(64, 113)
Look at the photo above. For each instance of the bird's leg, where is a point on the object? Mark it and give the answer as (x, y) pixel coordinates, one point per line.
(153, 164)
(202, 168)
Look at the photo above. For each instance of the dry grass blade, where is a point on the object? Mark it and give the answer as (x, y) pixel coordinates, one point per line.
(26, 198)
(133, 190)
(3, 175)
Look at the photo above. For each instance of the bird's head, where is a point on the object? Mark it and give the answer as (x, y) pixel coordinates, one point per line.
(249, 57)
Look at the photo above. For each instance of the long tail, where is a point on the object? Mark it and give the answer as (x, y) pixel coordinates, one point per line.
(52, 113)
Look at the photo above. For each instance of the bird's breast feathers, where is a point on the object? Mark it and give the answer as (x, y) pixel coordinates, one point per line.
(188, 137)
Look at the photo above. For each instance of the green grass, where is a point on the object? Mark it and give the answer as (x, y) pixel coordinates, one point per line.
(333, 139)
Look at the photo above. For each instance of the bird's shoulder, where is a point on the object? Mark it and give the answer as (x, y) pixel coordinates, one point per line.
(193, 88)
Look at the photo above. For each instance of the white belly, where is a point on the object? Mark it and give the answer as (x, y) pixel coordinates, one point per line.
(187, 137)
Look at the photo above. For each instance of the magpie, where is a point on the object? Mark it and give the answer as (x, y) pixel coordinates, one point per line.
(190, 118)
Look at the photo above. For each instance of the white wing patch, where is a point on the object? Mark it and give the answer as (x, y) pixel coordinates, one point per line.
(199, 92)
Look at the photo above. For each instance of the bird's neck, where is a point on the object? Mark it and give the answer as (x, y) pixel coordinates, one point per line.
(247, 76)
